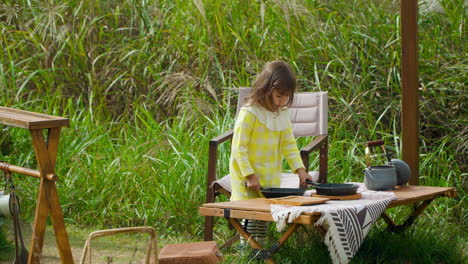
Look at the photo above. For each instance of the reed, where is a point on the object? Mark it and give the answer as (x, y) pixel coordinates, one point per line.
(146, 84)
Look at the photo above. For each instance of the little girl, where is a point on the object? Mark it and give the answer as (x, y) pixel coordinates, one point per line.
(262, 137)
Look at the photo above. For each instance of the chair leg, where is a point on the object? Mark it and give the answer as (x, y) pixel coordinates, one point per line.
(209, 223)
(210, 195)
(209, 220)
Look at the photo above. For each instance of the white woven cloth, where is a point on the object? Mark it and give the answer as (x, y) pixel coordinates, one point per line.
(348, 221)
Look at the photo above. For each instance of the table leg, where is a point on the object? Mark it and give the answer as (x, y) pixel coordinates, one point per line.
(253, 243)
(230, 242)
(394, 227)
(262, 253)
(265, 254)
(292, 228)
(321, 230)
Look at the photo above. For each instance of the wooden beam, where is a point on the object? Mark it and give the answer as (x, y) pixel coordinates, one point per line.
(410, 85)
(47, 201)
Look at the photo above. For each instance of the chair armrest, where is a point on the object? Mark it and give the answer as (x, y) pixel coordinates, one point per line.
(319, 143)
(314, 145)
(221, 138)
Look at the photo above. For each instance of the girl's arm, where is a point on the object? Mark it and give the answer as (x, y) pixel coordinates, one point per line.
(240, 141)
(253, 183)
(303, 175)
(291, 154)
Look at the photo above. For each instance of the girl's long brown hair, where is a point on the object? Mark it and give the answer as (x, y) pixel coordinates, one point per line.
(275, 75)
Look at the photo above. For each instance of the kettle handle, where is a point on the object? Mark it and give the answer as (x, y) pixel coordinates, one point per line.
(375, 143)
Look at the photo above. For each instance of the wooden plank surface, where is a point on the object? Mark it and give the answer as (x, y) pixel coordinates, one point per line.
(412, 193)
(305, 219)
(257, 204)
(297, 200)
(405, 195)
(30, 120)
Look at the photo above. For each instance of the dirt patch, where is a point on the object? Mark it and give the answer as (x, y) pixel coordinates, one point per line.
(114, 249)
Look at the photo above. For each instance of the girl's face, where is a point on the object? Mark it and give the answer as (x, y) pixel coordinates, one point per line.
(279, 100)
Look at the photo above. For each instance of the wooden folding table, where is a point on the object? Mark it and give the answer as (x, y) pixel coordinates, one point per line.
(259, 209)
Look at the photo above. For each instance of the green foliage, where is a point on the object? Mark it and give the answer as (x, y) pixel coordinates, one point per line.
(6, 246)
(429, 241)
(145, 84)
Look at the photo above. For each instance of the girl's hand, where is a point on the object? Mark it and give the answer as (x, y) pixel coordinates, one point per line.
(303, 176)
(253, 183)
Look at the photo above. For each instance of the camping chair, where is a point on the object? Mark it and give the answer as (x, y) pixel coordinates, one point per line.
(309, 117)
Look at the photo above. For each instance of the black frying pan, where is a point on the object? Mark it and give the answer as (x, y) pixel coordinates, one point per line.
(334, 189)
(282, 192)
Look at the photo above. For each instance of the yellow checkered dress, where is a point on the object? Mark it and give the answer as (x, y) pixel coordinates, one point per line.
(258, 149)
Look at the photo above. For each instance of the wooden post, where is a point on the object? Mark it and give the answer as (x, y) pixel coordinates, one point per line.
(410, 85)
(46, 156)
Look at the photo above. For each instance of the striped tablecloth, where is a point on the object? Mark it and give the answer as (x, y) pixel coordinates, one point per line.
(348, 222)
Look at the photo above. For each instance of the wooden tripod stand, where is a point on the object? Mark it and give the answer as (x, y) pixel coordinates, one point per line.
(46, 156)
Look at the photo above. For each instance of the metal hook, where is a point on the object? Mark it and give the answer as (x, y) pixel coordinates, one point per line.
(7, 175)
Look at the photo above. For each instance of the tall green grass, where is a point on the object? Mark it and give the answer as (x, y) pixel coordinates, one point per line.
(146, 84)
(6, 246)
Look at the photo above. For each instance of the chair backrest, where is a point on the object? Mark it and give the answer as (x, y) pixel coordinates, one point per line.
(309, 112)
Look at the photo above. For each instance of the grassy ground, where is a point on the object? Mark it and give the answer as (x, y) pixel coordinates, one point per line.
(118, 248)
(427, 241)
(146, 85)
